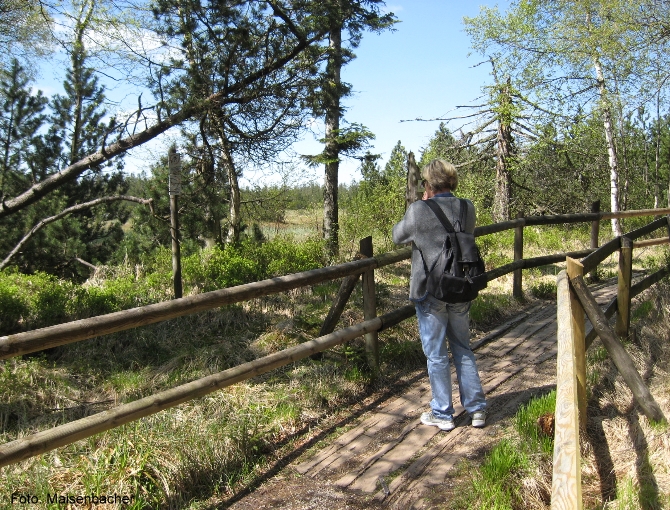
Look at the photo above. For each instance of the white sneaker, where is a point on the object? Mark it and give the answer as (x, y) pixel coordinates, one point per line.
(479, 419)
(428, 418)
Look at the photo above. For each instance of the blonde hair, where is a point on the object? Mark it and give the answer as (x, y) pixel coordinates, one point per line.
(440, 175)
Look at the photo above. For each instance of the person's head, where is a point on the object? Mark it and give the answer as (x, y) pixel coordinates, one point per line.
(440, 175)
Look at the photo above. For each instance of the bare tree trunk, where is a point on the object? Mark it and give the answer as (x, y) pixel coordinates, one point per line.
(504, 153)
(234, 219)
(412, 192)
(332, 150)
(611, 148)
(657, 155)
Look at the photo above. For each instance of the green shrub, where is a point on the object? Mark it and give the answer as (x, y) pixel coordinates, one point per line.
(543, 289)
(14, 307)
(39, 300)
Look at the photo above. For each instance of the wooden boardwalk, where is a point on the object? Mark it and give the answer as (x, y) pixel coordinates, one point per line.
(515, 362)
(390, 460)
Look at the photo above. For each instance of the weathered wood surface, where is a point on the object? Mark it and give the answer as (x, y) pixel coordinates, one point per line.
(574, 269)
(566, 487)
(392, 458)
(623, 287)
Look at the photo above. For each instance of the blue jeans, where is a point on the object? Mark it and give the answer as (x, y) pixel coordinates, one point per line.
(437, 320)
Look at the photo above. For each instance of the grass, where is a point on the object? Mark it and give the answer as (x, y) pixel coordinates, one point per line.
(512, 465)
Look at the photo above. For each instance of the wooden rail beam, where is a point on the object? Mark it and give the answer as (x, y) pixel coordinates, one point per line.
(651, 242)
(67, 433)
(590, 262)
(635, 289)
(566, 484)
(617, 352)
(595, 236)
(533, 262)
(558, 219)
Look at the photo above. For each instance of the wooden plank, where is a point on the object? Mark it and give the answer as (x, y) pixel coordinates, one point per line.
(504, 328)
(370, 460)
(395, 457)
(517, 336)
(418, 467)
(439, 459)
(395, 411)
(566, 487)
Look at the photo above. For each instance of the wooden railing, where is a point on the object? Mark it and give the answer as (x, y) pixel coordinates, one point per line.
(63, 334)
(574, 301)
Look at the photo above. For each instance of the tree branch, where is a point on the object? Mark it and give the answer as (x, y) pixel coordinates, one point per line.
(39, 190)
(75, 208)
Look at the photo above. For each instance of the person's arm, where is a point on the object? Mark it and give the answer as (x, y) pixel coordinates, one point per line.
(403, 231)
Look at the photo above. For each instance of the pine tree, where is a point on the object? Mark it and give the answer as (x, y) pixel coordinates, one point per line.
(21, 117)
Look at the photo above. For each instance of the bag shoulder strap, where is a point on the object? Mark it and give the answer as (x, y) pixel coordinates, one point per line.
(464, 213)
(440, 215)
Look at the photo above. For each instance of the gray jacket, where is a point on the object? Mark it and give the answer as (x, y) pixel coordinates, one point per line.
(421, 227)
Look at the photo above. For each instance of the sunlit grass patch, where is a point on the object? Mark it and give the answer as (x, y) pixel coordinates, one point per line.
(526, 422)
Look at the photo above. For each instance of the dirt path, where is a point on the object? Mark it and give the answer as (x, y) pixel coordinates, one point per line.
(389, 460)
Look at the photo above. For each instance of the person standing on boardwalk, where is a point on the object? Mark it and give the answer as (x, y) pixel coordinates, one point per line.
(439, 320)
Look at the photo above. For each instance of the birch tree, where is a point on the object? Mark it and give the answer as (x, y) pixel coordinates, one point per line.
(566, 55)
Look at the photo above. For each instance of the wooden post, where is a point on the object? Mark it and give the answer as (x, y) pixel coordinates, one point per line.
(617, 352)
(595, 234)
(174, 186)
(566, 484)
(370, 307)
(413, 192)
(517, 287)
(574, 269)
(623, 287)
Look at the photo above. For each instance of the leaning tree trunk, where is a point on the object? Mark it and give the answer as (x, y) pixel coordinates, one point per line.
(332, 150)
(611, 148)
